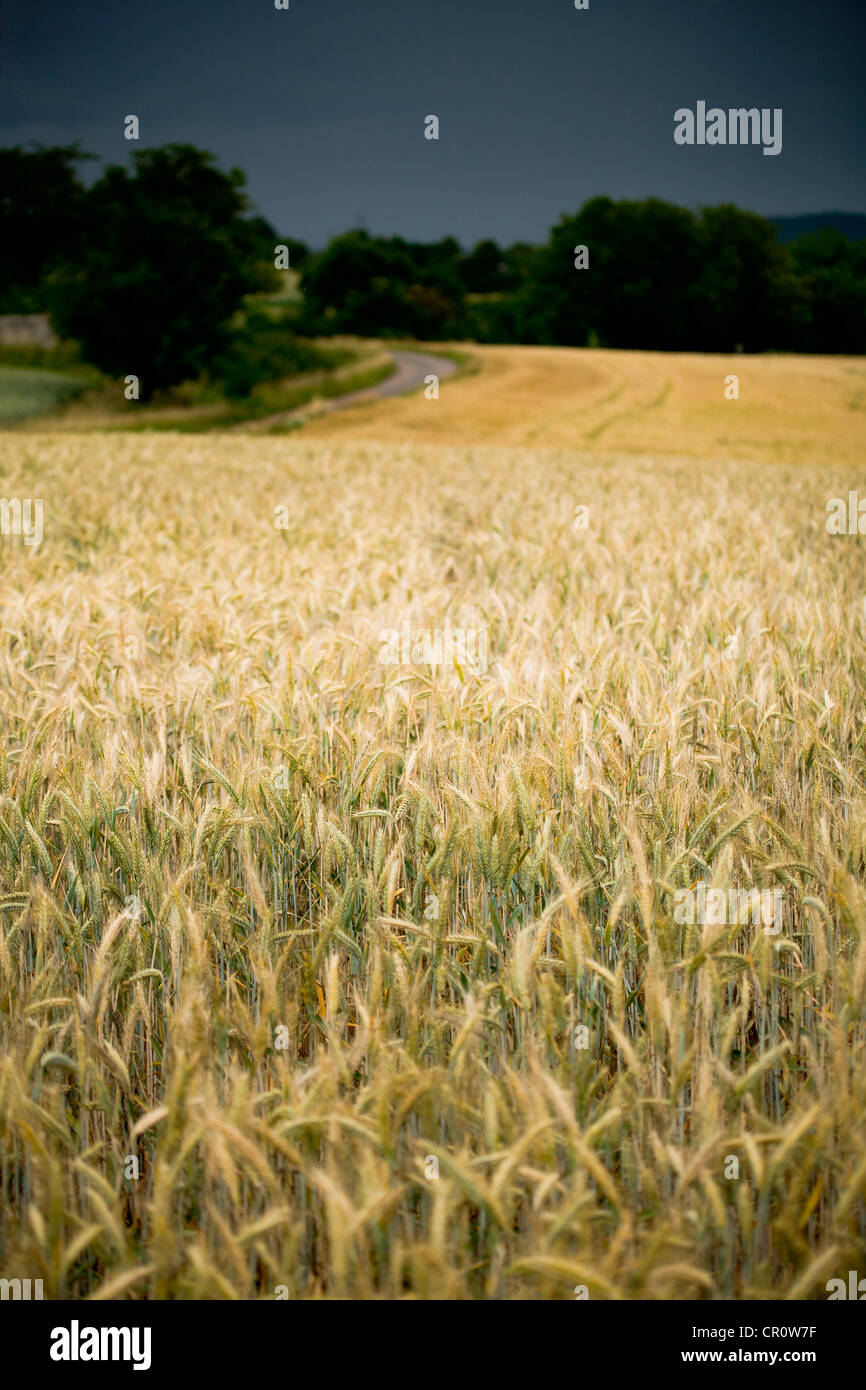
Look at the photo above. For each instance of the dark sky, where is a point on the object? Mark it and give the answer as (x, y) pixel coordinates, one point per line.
(541, 106)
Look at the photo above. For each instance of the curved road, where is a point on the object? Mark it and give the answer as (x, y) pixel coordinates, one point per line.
(412, 369)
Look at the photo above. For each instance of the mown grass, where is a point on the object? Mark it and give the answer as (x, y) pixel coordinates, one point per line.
(286, 924)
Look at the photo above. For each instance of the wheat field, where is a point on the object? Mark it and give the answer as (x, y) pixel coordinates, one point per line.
(790, 409)
(322, 977)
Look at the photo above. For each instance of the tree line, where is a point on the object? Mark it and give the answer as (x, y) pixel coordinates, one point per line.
(617, 274)
(147, 267)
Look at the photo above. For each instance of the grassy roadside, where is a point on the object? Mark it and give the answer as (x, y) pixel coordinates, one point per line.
(40, 396)
(272, 398)
(467, 363)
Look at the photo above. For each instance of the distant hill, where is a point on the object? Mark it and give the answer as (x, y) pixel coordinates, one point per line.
(852, 224)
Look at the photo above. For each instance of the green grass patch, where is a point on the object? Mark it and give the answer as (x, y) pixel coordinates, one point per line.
(29, 391)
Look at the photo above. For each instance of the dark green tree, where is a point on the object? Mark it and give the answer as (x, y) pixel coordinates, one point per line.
(743, 294)
(42, 220)
(377, 286)
(830, 273)
(169, 255)
(642, 259)
(484, 270)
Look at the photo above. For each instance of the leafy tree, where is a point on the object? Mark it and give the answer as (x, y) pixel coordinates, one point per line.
(743, 294)
(642, 258)
(42, 216)
(484, 270)
(299, 251)
(444, 257)
(348, 277)
(261, 350)
(831, 277)
(370, 285)
(168, 258)
(520, 263)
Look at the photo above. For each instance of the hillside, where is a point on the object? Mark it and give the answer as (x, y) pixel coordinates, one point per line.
(851, 224)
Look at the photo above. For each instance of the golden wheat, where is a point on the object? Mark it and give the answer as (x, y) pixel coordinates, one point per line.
(372, 972)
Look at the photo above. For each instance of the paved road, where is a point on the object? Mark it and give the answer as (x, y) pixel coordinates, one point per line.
(411, 371)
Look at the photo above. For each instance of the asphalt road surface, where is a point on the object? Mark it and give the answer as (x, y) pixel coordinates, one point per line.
(413, 368)
(411, 371)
